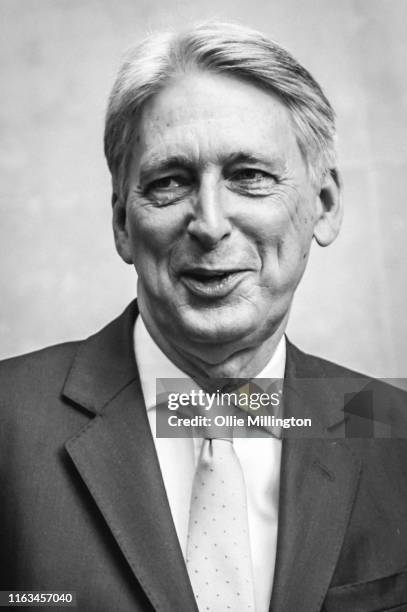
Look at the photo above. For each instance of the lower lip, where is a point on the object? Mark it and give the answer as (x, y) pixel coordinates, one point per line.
(215, 287)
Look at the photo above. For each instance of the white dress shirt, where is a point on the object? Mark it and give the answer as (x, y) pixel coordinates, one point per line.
(260, 459)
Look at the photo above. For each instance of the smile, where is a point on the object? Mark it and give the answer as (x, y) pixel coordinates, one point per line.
(212, 283)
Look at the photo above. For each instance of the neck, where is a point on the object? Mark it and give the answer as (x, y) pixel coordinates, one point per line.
(207, 364)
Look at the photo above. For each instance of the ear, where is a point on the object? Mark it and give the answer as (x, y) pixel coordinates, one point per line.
(121, 235)
(330, 210)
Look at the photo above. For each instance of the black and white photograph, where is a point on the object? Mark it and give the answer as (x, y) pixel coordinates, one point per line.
(203, 381)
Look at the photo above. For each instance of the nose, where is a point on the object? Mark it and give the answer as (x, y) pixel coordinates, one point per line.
(209, 223)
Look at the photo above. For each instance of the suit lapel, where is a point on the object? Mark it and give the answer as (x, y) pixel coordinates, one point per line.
(318, 483)
(115, 456)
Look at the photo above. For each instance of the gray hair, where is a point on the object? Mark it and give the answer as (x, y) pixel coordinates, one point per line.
(219, 48)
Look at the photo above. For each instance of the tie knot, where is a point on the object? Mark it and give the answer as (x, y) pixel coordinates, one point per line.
(220, 425)
(218, 432)
(218, 437)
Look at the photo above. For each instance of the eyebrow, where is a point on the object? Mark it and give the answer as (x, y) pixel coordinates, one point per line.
(243, 157)
(157, 164)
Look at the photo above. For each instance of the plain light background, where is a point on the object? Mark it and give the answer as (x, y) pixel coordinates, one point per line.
(61, 278)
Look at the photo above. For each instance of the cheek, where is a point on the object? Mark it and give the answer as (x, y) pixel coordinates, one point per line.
(283, 240)
(268, 225)
(152, 232)
(300, 217)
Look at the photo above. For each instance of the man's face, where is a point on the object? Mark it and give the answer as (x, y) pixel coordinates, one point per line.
(220, 212)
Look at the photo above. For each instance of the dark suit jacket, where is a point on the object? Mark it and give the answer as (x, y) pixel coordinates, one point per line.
(83, 506)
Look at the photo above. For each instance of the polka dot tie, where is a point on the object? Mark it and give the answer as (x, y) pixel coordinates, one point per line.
(218, 548)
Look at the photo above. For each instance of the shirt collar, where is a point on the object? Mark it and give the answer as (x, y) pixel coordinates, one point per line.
(152, 363)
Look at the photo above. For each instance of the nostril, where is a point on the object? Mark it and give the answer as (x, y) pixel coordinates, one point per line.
(209, 233)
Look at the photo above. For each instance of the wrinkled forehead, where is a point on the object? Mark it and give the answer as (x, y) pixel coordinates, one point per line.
(211, 115)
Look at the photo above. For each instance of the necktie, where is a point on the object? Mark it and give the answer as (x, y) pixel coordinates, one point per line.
(218, 547)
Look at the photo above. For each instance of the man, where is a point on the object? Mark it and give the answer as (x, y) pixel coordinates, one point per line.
(221, 149)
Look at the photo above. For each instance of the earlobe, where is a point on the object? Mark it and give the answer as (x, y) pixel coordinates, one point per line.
(330, 210)
(121, 235)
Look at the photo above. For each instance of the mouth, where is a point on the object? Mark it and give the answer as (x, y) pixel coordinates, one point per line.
(212, 283)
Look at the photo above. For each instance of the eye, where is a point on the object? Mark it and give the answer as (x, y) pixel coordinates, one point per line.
(252, 181)
(167, 183)
(167, 189)
(250, 174)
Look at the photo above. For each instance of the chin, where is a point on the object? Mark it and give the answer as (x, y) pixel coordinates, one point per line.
(218, 328)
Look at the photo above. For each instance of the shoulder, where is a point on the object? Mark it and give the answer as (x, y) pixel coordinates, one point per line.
(31, 402)
(34, 418)
(43, 374)
(306, 364)
(360, 396)
(34, 371)
(35, 382)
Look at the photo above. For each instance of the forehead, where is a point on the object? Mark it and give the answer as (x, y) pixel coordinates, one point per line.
(208, 115)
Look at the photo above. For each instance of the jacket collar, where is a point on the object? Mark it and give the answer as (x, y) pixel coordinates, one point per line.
(104, 364)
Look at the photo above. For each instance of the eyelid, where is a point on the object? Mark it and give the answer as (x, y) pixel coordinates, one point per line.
(264, 175)
(254, 187)
(168, 176)
(151, 172)
(248, 167)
